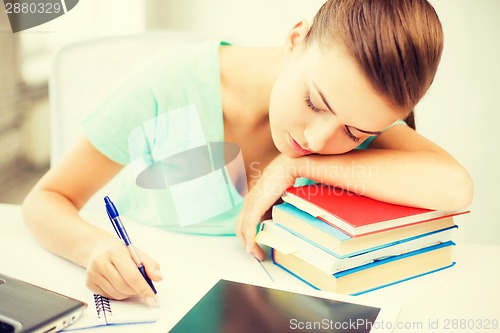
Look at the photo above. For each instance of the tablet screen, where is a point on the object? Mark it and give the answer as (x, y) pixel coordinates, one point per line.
(238, 307)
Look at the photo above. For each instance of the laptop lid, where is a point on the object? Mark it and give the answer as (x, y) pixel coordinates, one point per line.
(28, 308)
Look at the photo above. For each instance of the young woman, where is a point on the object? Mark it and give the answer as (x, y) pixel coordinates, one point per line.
(298, 111)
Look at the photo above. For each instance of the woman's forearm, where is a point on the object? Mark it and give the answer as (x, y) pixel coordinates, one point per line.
(56, 224)
(51, 209)
(414, 178)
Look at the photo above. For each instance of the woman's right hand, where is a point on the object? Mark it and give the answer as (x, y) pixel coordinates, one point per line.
(112, 273)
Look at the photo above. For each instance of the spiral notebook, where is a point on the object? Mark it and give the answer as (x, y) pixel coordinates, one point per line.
(108, 312)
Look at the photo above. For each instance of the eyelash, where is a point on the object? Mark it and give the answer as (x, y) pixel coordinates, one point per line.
(316, 110)
(351, 136)
(311, 105)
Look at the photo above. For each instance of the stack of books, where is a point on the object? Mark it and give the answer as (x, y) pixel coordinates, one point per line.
(338, 241)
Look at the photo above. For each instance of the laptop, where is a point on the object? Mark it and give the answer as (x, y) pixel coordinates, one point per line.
(27, 308)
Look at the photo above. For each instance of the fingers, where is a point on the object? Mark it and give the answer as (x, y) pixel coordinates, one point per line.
(246, 229)
(111, 272)
(104, 278)
(242, 226)
(257, 252)
(279, 175)
(134, 279)
(152, 267)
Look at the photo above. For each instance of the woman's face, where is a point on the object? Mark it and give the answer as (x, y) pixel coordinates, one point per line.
(321, 103)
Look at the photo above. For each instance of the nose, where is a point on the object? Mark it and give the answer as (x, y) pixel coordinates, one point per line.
(319, 133)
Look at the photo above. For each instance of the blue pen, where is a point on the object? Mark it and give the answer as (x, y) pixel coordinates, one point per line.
(114, 217)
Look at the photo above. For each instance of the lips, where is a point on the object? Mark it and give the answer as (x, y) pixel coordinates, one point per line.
(297, 147)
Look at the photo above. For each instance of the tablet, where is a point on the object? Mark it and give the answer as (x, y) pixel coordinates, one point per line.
(232, 306)
(28, 308)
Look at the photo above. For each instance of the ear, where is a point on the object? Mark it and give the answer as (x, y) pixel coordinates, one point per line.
(297, 35)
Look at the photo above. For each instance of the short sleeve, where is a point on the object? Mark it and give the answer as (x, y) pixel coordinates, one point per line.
(110, 124)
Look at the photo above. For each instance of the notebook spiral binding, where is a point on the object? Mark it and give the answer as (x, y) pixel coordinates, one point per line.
(102, 306)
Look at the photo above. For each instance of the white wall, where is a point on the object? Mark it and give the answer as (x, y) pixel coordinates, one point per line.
(255, 22)
(88, 19)
(460, 112)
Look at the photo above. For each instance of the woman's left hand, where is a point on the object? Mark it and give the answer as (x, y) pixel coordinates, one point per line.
(279, 175)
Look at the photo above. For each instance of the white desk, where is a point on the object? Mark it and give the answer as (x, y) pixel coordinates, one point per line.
(446, 301)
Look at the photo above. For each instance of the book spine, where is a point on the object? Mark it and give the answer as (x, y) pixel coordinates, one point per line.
(403, 280)
(393, 258)
(290, 272)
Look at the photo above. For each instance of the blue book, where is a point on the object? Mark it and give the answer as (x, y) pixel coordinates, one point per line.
(371, 276)
(341, 245)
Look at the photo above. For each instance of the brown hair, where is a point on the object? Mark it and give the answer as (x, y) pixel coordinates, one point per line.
(396, 43)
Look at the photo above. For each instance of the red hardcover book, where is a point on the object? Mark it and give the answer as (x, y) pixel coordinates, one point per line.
(357, 215)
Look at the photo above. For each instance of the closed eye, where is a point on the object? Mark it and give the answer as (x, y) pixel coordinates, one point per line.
(352, 136)
(311, 105)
